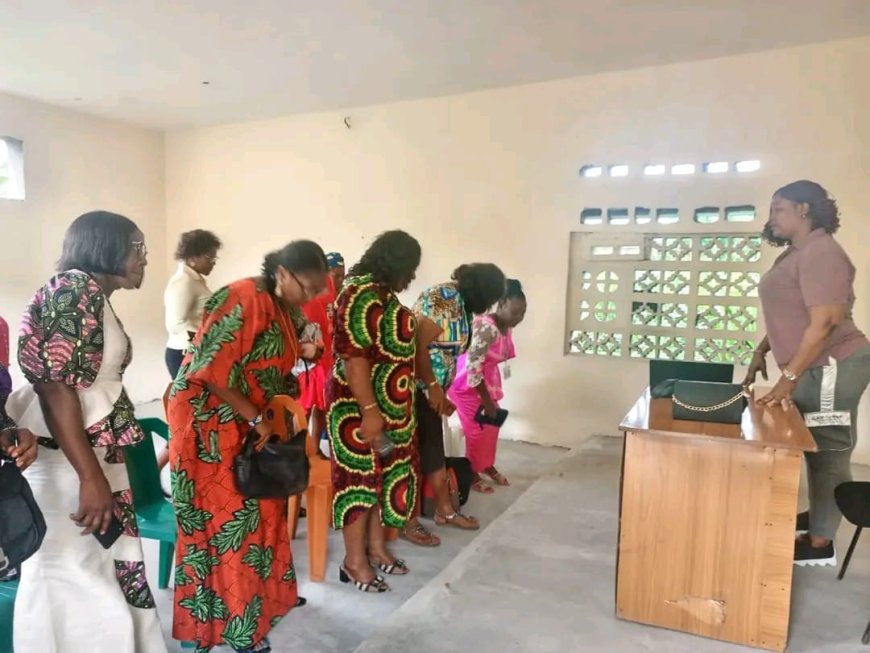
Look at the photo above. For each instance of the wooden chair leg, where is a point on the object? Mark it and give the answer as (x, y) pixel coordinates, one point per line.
(319, 513)
(167, 560)
(849, 553)
(293, 505)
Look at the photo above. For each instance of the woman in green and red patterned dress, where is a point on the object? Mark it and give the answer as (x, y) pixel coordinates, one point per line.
(370, 419)
(234, 578)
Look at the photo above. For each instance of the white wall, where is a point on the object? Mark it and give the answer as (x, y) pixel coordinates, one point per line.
(73, 164)
(493, 176)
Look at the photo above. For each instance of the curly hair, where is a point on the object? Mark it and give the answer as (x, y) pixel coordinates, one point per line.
(391, 259)
(480, 284)
(823, 211)
(196, 243)
(299, 257)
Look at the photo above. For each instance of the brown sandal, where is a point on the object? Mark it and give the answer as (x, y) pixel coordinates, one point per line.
(419, 535)
(481, 486)
(457, 520)
(494, 474)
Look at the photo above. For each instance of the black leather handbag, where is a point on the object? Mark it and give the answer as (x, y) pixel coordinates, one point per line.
(22, 526)
(277, 471)
(703, 401)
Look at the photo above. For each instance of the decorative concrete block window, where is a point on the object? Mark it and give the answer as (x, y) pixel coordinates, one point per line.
(680, 296)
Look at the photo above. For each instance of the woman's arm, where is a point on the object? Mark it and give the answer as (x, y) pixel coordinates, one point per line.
(823, 320)
(178, 302)
(483, 335)
(63, 416)
(758, 363)
(427, 332)
(358, 371)
(243, 406)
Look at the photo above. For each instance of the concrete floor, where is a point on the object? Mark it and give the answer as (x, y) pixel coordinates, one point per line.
(541, 580)
(538, 579)
(338, 618)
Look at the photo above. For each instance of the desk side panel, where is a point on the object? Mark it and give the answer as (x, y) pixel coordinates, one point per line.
(706, 538)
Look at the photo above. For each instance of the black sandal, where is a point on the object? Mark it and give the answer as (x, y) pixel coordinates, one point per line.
(377, 584)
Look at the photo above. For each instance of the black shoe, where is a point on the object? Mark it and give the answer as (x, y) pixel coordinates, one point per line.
(807, 555)
(802, 525)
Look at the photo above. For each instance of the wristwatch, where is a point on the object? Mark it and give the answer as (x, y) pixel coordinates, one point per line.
(789, 375)
(254, 422)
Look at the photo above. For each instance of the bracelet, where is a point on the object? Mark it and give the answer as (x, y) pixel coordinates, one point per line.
(788, 374)
(369, 407)
(432, 384)
(254, 422)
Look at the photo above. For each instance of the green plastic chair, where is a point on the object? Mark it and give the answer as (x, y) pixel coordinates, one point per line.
(7, 610)
(155, 515)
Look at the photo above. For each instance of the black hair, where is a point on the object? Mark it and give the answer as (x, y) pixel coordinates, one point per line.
(98, 242)
(391, 259)
(299, 257)
(513, 289)
(823, 211)
(480, 284)
(196, 243)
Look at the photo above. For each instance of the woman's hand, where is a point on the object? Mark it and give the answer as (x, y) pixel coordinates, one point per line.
(780, 395)
(756, 365)
(95, 505)
(371, 429)
(489, 408)
(310, 351)
(24, 452)
(264, 432)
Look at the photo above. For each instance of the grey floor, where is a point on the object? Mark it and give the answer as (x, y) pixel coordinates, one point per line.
(539, 578)
(338, 618)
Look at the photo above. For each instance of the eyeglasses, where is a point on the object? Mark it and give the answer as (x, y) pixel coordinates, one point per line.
(139, 246)
(305, 290)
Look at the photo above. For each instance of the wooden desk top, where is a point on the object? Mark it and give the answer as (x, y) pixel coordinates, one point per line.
(761, 426)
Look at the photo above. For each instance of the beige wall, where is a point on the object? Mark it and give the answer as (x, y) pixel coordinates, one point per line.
(493, 176)
(73, 164)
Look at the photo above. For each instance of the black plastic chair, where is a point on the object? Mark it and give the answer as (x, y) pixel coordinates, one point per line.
(853, 500)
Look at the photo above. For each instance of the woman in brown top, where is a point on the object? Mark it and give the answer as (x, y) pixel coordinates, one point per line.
(807, 298)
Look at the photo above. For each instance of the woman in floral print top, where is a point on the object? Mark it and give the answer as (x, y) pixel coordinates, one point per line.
(73, 351)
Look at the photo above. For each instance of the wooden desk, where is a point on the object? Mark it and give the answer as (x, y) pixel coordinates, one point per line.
(707, 516)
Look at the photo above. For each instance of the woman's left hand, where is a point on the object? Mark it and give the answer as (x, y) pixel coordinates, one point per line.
(310, 351)
(25, 451)
(780, 395)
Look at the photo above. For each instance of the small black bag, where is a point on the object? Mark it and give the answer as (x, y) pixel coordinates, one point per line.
(702, 401)
(278, 471)
(22, 526)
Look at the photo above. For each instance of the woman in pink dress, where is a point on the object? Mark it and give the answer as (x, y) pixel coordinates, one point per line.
(479, 382)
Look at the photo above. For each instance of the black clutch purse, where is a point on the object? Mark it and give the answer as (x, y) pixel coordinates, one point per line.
(703, 401)
(498, 421)
(277, 471)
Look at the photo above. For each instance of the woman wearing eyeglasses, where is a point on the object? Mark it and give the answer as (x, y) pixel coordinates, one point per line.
(234, 578)
(75, 595)
(187, 292)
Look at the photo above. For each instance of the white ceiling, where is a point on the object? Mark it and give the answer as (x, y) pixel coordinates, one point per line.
(144, 61)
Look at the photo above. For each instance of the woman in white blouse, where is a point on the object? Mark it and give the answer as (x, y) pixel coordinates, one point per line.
(186, 292)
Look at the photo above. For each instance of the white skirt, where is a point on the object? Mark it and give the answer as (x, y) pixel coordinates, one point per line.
(74, 595)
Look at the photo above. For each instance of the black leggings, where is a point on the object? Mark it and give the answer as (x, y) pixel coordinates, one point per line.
(173, 358)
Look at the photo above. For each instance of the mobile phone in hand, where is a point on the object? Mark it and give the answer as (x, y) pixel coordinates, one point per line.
(115, 530)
